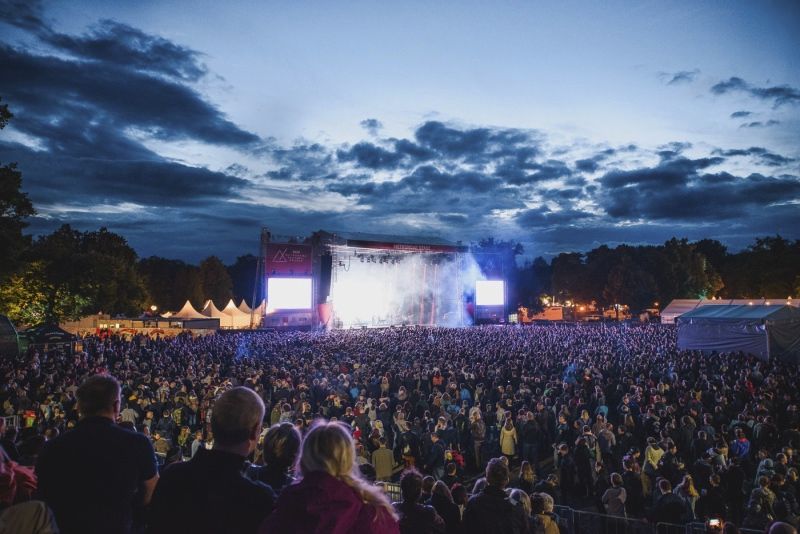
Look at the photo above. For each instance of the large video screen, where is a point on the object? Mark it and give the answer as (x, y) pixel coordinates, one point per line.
(289, 293)
(490, 293)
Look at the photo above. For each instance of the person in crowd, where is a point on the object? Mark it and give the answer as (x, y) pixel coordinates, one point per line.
(526, 479)
(687, 491)
(477, 429)
(508, 440)
(280, 448)
(615, 497)
(442, 501)
(490, 511)
(415, 516)
(711, 503)
(209, 493)
(434, 461)
(669, 508)
(383, 461)
(330, 496)
(81, 474)
(543, 520)
(521, 502)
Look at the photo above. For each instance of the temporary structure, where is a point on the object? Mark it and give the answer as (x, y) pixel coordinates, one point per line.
(238, 318)
(762, 330)
(188, 312)
(244, 307)
(680, 306)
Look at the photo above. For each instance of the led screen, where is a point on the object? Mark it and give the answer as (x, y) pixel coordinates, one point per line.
(289, 293)
(490, 293)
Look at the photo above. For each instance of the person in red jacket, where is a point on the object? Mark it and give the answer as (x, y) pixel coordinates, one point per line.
(331, 496)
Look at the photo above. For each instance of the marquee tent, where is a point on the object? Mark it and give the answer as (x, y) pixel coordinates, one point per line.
(244, 307)
(237, 318)
(762, 330)
(188, 312)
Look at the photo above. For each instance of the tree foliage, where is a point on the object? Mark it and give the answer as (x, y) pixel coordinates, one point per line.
(215, 281)
(15, 207)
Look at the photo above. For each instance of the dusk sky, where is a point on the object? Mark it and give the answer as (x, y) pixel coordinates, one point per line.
(186, 126)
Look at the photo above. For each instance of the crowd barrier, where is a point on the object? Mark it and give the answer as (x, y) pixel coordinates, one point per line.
(573, 521)
(11, 421)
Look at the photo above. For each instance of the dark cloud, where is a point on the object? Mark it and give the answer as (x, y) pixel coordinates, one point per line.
(59, 178)
(777, 94)
(587, 165)
(303, 162)
(115, 43)
(759, 154)
(683, 76)
(25, 14)
(370, 156)
(538, 218)
(676, 190)
(47, 87)
(373, 126)
(759, 124)
(741, 114)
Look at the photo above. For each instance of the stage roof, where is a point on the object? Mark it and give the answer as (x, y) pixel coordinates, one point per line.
(397, 242)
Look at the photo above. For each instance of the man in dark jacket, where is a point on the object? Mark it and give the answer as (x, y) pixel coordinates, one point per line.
(416, 518)
(669, 508)
(490, 511)
(434, 462)
(209, 493)
(94, 475)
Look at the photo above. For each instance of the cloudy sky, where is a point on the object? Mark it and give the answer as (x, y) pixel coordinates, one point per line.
(188, 125)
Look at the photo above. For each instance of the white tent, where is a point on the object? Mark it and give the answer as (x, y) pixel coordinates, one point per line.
(238, 318)
(188, 312)
(244, 307)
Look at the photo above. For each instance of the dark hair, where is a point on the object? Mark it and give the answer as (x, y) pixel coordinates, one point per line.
(281, 445)
(411, 486)
(97, 394)
(497, 473)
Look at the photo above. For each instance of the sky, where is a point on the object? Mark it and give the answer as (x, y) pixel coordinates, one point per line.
(187, 126)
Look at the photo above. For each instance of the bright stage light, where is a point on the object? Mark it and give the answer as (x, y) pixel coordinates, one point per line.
(490, 293)
(289, 293)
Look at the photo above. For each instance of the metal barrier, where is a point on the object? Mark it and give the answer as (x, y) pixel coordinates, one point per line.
(12, 421)
(392, 490)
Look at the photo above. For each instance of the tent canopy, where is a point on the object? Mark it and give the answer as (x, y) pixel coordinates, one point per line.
(188, 312)
(760, 312)
(761, 330)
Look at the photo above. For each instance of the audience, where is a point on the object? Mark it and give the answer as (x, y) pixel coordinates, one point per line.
(597, 399)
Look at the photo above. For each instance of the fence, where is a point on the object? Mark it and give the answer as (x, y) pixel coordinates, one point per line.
(573, 521)
(11, 421)
(392, 490)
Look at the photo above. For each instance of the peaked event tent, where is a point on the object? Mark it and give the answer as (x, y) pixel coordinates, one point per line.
(762, 330)
(244, 307)
(188, 312)
(238, 318)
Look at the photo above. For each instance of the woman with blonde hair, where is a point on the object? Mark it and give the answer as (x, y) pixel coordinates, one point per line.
(331, 496)
(687, 491)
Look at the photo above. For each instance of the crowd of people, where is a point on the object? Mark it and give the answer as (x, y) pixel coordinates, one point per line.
(486, 429)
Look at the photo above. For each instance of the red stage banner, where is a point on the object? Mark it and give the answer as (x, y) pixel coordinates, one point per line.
(284, 259)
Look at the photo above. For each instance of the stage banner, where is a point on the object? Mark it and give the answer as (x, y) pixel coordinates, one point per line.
(287, 259)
